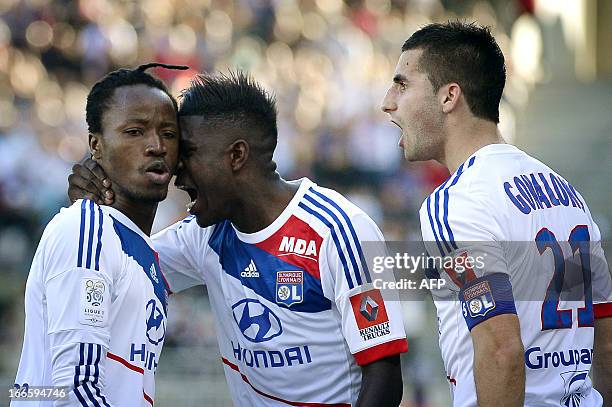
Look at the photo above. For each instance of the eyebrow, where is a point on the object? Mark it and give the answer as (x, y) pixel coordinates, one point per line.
(399, 78)
(146, 121)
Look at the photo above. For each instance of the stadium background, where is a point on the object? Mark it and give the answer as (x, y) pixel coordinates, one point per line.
(329, 63)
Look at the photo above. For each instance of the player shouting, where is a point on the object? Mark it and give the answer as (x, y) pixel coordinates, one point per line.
(298, 320)
(526, 339)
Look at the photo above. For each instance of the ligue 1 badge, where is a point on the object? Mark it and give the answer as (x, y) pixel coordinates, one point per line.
(289, 287)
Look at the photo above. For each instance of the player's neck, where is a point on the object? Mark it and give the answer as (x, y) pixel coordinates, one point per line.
(468, 138)
(261, 203)
(142, 214)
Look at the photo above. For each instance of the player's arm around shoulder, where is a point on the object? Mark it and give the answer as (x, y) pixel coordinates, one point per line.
(82, 267)
(375, 342)
(182, 249)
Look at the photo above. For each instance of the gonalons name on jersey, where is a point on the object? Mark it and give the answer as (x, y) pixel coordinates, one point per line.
(538, 191)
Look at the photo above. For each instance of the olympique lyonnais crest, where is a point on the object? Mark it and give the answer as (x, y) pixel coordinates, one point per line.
(479, 299)
(289, 287)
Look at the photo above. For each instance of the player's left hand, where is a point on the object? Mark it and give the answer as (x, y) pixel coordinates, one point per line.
(88, 180)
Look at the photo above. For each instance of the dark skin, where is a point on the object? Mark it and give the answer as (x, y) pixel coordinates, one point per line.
(227, 181)
(138, 147)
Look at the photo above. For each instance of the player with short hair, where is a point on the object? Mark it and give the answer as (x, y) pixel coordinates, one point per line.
(527, 338)
(298, 320)
(95, 297)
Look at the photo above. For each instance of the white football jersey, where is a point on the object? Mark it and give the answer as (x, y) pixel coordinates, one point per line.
(295, 310)
(532, 249)
(95, 306)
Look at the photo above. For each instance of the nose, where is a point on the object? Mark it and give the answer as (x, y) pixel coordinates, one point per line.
(155, 145)
(388, 103)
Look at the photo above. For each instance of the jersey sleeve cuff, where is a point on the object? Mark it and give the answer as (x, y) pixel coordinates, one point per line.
(395, 347)
(602, 310)
(486, 297)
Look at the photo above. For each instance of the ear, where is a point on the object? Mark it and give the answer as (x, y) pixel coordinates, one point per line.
(449, 96)
(95, 146)
(238, 154)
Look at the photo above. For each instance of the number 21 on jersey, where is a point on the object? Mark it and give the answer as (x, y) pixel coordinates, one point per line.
(579, 241)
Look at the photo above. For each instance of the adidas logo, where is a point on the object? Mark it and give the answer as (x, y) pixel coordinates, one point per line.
(250, 270)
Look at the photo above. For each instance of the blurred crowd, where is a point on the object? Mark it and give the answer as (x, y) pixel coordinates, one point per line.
(328, 62)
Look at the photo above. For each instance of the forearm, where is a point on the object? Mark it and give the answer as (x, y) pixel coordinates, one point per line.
(500, 378)
(499, 362)
(602, 359)
(381, 383)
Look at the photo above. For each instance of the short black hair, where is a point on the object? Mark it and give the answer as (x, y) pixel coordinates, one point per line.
(102, 92)
(235, 102)
(467, 54)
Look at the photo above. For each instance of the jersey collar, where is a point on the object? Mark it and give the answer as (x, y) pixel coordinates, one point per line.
(117, 214)
(304, 184)
(493, 149)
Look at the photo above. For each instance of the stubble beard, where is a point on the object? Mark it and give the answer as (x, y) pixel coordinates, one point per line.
(141, 195)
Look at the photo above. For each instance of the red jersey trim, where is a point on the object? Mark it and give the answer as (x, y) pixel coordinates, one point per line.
(130, 366)
(124, 362)
(395, 347)
(147, 397)
(603, 310)
(290, 403)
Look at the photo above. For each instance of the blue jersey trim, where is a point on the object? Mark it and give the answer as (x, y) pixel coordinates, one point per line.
(86, 359)
(87, 375)
(451, 237)
(81, 399)
(487, 296)
(92, 216)
(433, 229)
(81, 233)
(138, 249)
(351, 229)
(437, 214)
(347, 272)
(345, 238)
(77, 370)
(188, 219)
(99, 245)
(96, 376)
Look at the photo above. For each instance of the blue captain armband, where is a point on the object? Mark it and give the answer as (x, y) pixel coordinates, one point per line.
(486, 297)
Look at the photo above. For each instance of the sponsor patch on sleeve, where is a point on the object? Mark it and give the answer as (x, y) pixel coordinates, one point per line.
(370, 314)
(486, 297)
(94, 302)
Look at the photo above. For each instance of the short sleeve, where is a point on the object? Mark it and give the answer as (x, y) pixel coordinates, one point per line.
(601, 279)
(465, 245)
(80, 266)
(372, 322)
(182, 248)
